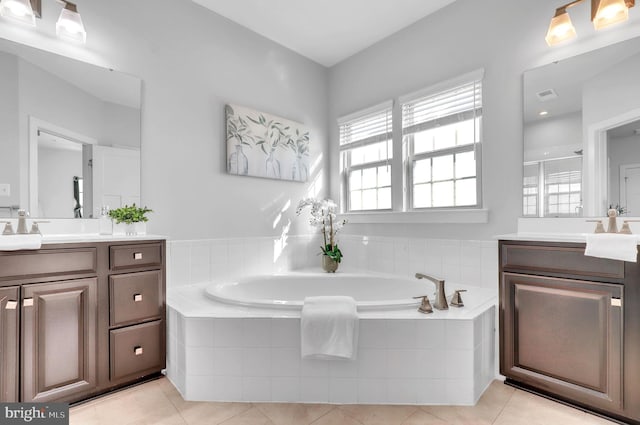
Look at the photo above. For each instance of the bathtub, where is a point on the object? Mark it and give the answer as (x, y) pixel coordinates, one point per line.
(239, 340)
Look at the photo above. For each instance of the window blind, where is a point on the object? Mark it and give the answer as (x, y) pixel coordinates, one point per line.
(371, 126)
(460, 103)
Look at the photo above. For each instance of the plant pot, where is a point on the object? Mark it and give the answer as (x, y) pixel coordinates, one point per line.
(132, 229)
(329, 265)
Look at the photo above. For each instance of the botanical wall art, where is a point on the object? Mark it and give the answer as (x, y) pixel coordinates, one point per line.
(264, 145)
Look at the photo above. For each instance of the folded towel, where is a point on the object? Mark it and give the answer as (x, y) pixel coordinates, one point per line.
(613, 246)
(329, 327)
(18, 242)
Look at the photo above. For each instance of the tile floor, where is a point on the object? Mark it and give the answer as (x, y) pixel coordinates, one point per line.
(158, 402)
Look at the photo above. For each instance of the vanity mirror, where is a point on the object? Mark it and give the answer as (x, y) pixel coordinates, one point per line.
(69, 135)
(582, 134)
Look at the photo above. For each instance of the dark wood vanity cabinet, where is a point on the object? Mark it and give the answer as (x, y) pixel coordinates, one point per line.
(9, 337)
(569, 326)
(60, 307)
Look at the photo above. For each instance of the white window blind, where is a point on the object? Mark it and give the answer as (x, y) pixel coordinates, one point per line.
(441, 128)
(366, 145)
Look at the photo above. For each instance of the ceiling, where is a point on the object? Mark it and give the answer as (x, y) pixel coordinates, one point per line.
(326, 32)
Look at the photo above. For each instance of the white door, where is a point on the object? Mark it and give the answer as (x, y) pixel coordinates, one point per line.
(116, 177)
(630, 188)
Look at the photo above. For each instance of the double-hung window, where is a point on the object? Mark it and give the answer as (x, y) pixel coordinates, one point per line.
(441, 130)
(366, 150)
(561, 183)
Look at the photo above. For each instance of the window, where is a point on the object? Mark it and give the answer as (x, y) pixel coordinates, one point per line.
(561, 183)
(434, 163)
(441, 135)
(366, 152)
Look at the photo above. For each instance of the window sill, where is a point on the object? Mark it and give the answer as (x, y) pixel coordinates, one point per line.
(434, 216)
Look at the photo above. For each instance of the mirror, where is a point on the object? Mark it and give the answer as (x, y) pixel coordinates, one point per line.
(582, 134)
(69, 135)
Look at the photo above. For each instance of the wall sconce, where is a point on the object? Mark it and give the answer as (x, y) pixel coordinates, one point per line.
(69, 25)
(604, 13)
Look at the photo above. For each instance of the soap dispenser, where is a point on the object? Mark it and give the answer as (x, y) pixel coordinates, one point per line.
(106, 224)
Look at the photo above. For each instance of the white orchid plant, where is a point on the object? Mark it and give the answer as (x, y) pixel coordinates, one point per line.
(323, 216)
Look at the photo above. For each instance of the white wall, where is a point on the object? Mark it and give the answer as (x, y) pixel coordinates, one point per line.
(9, 138)
(504, 38)
(612, 93)
(555, 137)
(193, 61)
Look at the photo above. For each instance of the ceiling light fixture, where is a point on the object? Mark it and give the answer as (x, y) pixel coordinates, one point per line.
(604, 13)
(19, 11)
(69, 25)
(543, 113)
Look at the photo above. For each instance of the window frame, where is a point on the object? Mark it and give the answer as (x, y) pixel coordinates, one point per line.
(345, 150)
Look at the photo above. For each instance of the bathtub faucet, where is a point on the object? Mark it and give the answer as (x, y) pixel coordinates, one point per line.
(441, 301)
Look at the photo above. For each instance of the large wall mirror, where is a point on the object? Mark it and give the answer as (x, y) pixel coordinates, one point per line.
(582, 134)
(69, 135)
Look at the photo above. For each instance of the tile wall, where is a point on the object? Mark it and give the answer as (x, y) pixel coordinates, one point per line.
(467, 262)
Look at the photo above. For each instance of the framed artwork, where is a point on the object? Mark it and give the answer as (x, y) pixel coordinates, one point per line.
(265, 145)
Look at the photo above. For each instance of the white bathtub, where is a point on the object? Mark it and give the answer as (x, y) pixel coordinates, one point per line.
(240, 341)
(287, 291)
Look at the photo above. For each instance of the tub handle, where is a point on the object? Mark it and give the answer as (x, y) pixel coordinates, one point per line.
(456, 300)
(425, 306)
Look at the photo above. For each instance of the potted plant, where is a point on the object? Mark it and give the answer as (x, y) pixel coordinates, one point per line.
(130, 220)
(323, 216)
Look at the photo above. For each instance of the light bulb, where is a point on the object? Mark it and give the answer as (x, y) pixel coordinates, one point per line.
(610, 12)
(18, 11)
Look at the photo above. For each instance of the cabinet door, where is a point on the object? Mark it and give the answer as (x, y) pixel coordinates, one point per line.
(9, 319)
(564, 336)
(59, 340)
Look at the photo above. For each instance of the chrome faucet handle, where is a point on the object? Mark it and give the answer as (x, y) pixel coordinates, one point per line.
(425, 307)
(8, 228)
(456, 299)
(34, 227)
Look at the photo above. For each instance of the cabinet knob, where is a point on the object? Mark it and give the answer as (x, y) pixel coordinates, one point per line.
(138, 351)
(137, 297)
(11, 305)
(137, 256)
(27, 302)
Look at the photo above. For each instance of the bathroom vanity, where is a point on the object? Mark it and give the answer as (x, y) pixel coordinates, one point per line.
(570, 326)
(81, 319)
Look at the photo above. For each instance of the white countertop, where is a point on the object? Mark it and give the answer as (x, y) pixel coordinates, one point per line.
(548, 237)
(91, 237)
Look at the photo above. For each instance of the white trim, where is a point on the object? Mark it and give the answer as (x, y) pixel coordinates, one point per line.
(596, 181)
(439, 216)
(388, 104)
(623, 183)
(476, 75)
(36, 124)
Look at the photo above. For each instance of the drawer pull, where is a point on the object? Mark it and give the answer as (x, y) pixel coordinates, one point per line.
(137, 256)
(27, 302)
(138, 351)
(616, 302)
(11, 305)
(137, 297)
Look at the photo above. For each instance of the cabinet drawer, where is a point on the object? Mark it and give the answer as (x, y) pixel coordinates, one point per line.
(131, 256)
(52, 262)
(135, 296)
(136, 350)
(562, 261)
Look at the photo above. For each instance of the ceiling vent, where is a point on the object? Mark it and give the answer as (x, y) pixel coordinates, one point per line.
(547, 94)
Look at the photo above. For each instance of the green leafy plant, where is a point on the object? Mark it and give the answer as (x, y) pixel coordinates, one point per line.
(333, 252)
(129, 214)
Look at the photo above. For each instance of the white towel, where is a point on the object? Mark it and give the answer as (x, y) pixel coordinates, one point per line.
(18, 242)
(329, 327)
(613, 246)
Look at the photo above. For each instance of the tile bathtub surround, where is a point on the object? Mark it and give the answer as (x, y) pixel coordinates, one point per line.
(399, 361)
(158, 402)
(468, 262)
